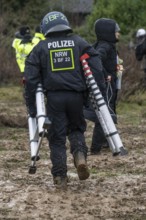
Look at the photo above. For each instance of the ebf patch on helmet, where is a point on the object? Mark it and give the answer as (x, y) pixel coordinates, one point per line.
(62, 59)
(54, 16)
(54, 22)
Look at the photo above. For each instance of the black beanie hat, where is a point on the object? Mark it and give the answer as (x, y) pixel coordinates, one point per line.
(24, 30)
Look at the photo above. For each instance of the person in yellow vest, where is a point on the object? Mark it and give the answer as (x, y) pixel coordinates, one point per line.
(17, 40)
(37, 36)
(15, 45)
(27, 44)
(24, 47)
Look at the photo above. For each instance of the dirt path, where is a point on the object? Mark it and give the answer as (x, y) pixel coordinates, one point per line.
(116, 189)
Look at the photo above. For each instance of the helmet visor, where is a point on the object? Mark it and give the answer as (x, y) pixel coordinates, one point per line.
(57, 28)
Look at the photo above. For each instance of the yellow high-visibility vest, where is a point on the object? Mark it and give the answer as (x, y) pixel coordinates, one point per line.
(23, 51)
(37, 38)
(16, 43)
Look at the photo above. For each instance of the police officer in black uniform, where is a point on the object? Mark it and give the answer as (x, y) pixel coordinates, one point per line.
(55, 63)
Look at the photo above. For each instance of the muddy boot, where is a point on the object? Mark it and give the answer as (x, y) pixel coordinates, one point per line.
(60, 182)
(81, 165)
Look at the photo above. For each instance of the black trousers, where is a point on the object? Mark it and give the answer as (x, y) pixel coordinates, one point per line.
(65, 110)
(98, 137)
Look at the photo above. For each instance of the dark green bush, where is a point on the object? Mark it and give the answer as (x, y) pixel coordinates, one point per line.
(130, 14)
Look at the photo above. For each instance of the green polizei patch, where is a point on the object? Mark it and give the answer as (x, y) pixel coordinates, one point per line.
(62, 59)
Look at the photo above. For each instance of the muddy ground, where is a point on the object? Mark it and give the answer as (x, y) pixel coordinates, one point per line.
(116, 189)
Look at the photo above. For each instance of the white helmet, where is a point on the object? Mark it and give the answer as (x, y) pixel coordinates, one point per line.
(141, 32)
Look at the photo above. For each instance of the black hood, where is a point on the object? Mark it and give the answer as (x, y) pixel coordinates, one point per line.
(105, 30)
(26, 39)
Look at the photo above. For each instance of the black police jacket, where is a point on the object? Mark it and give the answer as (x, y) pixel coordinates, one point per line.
(55, 62)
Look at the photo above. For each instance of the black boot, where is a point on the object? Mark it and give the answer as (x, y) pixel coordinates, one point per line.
(98, 139)
(81, 165)
(60, 182)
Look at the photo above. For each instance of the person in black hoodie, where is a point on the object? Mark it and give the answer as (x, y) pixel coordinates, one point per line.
(55, 63)
(107, 33)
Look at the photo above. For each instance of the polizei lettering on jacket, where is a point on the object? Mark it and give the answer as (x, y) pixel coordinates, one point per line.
(61, 44)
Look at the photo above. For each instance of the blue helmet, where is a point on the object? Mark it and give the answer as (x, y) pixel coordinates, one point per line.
(54, 22)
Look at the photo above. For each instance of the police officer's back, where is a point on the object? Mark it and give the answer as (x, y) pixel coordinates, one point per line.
(55, 62)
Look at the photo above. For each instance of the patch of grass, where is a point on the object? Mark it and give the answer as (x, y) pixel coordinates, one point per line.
(128, 107)
(93, 170)
(138, 97)
(130, 113)
(11, 93)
